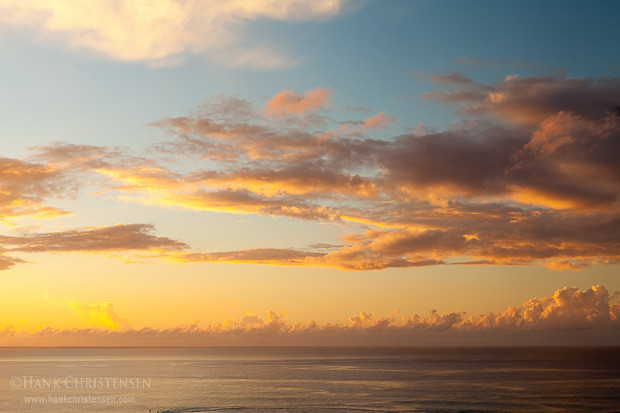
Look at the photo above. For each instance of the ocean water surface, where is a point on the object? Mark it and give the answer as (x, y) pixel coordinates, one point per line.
(316, 379)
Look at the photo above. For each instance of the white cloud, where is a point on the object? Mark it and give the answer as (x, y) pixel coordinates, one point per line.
(162, 32)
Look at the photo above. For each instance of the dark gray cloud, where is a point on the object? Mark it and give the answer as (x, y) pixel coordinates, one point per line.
(530, 99)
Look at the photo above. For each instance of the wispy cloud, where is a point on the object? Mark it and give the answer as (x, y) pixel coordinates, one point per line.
(162, 32)
(131, 238)
(274, 256)
(7, 262)
(107, 238)
(587, 316)
(24, 187)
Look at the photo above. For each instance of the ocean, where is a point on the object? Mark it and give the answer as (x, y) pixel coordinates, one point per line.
(313, 379)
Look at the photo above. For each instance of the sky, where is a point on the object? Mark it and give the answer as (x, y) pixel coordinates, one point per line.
(299, 172)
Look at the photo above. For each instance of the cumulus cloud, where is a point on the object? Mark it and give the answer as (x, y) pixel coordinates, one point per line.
(486, 191)
(163, 31)
(571, 315)
(459, 193)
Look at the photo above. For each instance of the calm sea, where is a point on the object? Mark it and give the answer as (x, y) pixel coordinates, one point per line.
(309, 379)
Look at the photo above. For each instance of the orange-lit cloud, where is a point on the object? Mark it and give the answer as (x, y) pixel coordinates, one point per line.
(162, 32)
(353, 258)
(101, 316)
(274, 256)
(107, 238)
(580, 243)
(484, 191)
(94, 315)
(287, 102)
(133, 238)
(24, 187)
(570, 315)
(7, 262)
(378, 121)
(530, 99)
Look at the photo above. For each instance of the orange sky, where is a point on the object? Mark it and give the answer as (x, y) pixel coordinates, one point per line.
(207, 175)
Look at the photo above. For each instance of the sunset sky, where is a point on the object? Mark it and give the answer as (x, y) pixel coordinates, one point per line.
(309, 171)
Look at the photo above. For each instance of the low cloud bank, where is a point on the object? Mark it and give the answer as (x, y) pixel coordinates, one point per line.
(570, 317)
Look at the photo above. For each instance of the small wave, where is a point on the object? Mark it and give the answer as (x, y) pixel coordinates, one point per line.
(199, 409)
(272, 408)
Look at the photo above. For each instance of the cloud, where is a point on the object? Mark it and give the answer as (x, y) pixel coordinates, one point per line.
(25, 185)
(453, 79)
(107, 238)
(261, 58)
(565, 163)
(530, 99)
(134, 238)
(97, 316)
(569, 316)
(489, 191)
(162, 32)
(7, 262)
(252, 256)
(286, 102)
(378, 121)
(101, 316)
(556, 242)
(347, 258)
(466, 161)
